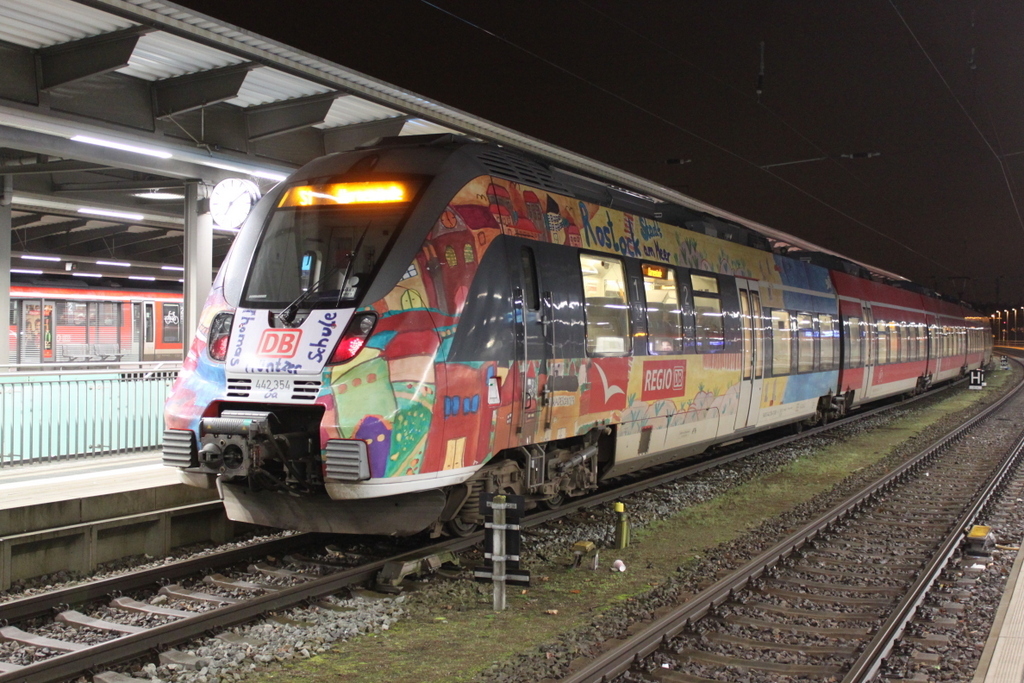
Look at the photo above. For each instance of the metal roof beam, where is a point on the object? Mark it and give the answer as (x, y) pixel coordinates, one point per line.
(65, 166)
(150, 246)
(70, 239)
(25, 235)
(268, 120)
(114, 245)
(78, 59)
(117, 186)
(344, 138)
(193, 91)
(19, 221)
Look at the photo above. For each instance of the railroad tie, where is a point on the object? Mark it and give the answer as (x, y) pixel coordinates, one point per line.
(145, 608)
(76, 618)
(15, 634)
(788, 668)
(222, 581)
(267, 570)
(178, 593)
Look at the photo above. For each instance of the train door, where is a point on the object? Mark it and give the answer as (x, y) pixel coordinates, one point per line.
(870, 353)
(530, 343)
(31, 341)
(753, 355)
(138, 348)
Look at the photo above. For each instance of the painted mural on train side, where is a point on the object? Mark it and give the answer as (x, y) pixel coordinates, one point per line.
(420, 413)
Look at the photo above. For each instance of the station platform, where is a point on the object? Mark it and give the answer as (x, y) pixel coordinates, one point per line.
(1002, 660)
(52, 482)
(74, 515)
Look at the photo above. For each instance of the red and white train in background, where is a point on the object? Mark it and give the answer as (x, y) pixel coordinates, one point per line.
(55, 324)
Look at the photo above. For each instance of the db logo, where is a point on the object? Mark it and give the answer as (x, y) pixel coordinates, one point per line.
(279, 343)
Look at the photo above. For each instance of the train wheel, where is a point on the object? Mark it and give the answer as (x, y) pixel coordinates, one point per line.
(461, 528)
(554, 502)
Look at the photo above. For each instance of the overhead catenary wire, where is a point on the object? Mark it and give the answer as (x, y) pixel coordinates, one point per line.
(945, 83)
(683, 129)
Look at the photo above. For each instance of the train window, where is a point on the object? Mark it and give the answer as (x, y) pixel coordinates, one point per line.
(149, 322)
(882, 334)
(352, 238)
(606, 306)
(171, 324)
(827, 331)
(894, 343)
(854, 342)
(707, 304)
(805, 342)
(704, 283)
(664, 319)
(309, 271)
(529, 268)
(71, 313)
(782, 343)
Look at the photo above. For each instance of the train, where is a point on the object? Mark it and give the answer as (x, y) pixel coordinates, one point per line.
(61, 323)
(402, 328)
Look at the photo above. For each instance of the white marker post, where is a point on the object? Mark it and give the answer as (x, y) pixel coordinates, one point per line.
(498, 552)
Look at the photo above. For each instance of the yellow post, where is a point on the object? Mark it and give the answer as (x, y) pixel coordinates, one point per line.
(621, 527)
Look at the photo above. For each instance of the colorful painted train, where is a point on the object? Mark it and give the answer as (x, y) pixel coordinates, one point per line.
(54, 323)
(399, 329)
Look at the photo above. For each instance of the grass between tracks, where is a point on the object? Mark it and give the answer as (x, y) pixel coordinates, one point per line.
(458, 637)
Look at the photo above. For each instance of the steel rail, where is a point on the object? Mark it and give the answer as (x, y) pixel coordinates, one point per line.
(867, 665)
(613, 662)
(43, 604)
(132, 646)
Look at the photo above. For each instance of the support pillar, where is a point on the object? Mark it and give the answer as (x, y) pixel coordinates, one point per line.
(6, 197)
(198, 259)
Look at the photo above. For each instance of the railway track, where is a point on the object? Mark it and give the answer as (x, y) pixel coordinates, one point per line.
(89, 627)
(829, 601)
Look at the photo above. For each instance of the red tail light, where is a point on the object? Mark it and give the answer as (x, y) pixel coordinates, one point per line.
(220, 335)
(356, 334)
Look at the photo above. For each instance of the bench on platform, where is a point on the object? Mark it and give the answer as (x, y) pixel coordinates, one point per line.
(108, 351)
(75, 352)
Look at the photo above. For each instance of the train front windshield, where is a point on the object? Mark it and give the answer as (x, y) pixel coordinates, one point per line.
(321, 245)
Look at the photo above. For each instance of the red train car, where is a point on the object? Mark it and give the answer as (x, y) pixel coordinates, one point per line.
(63, 324)
(901, 341)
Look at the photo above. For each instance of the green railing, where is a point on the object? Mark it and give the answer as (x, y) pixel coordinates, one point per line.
(62, 415)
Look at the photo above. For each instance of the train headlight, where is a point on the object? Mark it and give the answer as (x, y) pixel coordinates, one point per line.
(220, 335)
(355, 337)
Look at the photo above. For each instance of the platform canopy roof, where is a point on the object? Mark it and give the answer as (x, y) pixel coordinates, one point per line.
(113, 105)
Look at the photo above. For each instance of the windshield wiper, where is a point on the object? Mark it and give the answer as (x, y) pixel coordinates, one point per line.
(287, 314)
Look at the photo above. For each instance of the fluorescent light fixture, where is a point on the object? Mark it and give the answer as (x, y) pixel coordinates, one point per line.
(158, 195)
(255, 172)
(81, 274)
(178, 268)
(112, 214)
(148, 151)
(26, 271)
(119, 264)
(180, 280)
(148, 278)
(29, 257)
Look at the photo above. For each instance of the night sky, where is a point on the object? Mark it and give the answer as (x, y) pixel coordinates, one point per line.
(936, 87)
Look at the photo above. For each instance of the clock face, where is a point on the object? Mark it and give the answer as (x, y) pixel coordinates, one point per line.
(232, 200)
